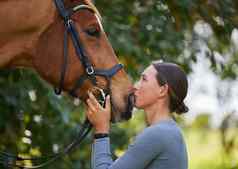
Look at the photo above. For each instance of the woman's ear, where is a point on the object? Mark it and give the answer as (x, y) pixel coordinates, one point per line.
(163, 91)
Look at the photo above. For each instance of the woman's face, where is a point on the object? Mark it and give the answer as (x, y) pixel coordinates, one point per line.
(147, 88)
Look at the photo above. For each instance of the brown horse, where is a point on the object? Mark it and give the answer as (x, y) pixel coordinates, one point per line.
(32, 35)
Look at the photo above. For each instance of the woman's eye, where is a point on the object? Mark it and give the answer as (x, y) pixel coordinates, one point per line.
(143, 78)
(93, 32)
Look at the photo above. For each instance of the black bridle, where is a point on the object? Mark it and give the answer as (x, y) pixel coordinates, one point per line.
(10, 160)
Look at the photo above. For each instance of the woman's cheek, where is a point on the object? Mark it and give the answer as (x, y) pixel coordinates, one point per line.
(140, 98)
(138, 103)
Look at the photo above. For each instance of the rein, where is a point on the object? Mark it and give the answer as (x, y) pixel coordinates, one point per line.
(90, 73)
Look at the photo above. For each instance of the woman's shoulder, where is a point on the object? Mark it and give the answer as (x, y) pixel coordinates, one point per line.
(162, 131)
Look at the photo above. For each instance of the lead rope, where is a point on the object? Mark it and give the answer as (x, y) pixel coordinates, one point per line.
(9, 160)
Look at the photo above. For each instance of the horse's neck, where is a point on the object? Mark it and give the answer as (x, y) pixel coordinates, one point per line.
(22, 22)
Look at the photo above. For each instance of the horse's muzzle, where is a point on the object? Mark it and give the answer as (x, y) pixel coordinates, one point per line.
(130, 104)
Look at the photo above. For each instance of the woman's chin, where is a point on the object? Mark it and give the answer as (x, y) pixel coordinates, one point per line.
(138, 105)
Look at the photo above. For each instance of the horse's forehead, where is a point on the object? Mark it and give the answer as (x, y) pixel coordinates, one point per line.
(93, 8)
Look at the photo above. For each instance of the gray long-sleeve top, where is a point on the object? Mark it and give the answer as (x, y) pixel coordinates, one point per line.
(159, 146)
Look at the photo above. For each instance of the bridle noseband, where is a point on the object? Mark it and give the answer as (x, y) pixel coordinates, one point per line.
(10, 160)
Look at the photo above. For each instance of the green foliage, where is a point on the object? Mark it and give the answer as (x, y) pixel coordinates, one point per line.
(142, 31)
(52, 121)
(202, 122)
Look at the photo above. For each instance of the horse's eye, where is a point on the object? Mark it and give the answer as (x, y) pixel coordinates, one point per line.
(93, 32)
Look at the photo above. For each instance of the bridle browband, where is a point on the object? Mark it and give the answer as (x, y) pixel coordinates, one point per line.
(10, 160)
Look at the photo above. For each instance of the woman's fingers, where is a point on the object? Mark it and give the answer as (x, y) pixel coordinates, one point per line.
(97, 115)
(108, 103)
(95, 106)
(93, 99)
(91, 106)
(89, 112)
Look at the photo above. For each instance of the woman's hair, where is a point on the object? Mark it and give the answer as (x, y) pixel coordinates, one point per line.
(172, 75)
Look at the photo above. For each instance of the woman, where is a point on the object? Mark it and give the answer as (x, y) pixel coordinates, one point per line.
(160, 92)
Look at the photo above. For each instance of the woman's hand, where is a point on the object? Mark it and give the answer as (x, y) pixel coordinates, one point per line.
(97, 115)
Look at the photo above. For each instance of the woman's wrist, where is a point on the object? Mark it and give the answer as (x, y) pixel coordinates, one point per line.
(101, 132)
(101, 129)
(100, 135)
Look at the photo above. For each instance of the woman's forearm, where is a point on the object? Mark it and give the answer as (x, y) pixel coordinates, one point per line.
(101, 153)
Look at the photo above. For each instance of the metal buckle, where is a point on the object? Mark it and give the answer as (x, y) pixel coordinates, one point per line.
(101, 96)
(69, 22)
(90, 70)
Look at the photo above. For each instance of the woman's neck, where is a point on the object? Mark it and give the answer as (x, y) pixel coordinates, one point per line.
(156, 113)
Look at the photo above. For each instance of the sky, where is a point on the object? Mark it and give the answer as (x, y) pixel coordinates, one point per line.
(205, 87)
(203, 90)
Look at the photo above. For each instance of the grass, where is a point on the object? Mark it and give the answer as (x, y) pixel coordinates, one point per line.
(205, 150)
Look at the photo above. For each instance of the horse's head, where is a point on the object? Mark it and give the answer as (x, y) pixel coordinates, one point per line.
(49, 56)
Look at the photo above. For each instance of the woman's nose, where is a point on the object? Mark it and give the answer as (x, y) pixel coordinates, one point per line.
(136, 86)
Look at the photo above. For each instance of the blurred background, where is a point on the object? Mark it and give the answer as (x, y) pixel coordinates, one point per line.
(201, 36)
